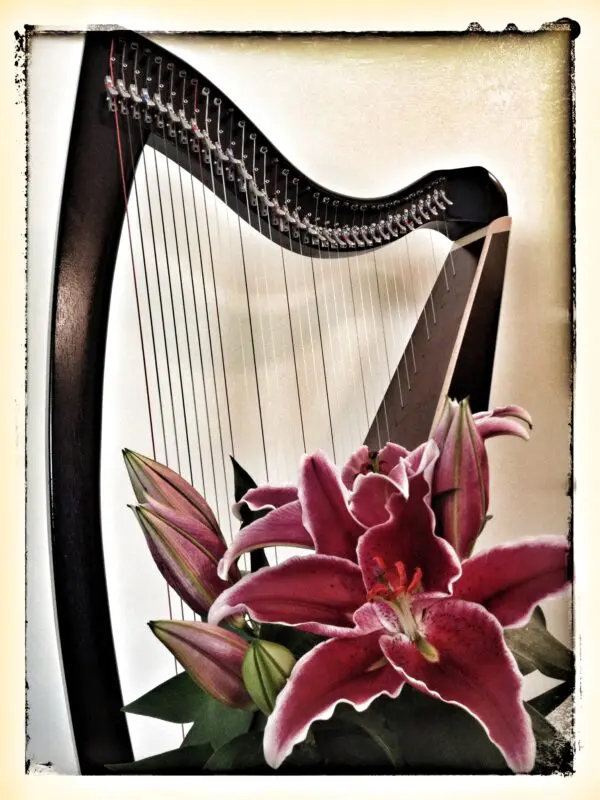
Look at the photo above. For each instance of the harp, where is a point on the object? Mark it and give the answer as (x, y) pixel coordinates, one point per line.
(235, 257)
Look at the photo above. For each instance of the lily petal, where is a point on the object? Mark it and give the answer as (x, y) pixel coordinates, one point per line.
(267, 495)
(212, 657)
(490, 427)
(389, 456)
(333, 672)
(408, 536)
(325, 511)
(422, 460)
(156, 482)
(399, 475)
(510, 580)
(506, 411)
(355, 466)
(440, 431)
(280, 527)
(361, 462)
(372, 492)
(475, 670)
(319, 593)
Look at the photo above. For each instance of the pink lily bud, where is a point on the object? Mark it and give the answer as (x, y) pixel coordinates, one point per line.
(461, 477)
(154, 483)
(187, 553)
(212, 657)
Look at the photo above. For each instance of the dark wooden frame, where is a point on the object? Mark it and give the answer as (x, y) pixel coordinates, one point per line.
(90, 224)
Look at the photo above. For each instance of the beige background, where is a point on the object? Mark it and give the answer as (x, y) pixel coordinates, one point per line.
(558, 326)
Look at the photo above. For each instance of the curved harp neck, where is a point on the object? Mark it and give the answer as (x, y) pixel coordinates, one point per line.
(181, 109)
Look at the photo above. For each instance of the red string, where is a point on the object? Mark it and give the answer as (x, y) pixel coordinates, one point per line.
(137, 300)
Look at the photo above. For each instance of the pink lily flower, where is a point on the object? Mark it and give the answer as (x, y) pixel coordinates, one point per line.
(461, 482)
(408, 612)
(315, 515)
(396, 469)
(458, 471)
(321, 514)
(213, 657)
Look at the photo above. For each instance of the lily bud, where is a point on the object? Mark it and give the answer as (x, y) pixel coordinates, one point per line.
(212, 657)
(187, 553)
(156, 484)
(266, 668)
(461, 477)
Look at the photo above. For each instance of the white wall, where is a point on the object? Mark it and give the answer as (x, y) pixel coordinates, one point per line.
(412, 107)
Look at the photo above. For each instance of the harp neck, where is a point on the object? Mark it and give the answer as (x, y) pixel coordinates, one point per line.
(182, 109)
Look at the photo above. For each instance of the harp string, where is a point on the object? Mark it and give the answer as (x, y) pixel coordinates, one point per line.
(325, 295)
(314, 283)
(176, 340)
(396, 371)
(150, 314)
(413, 316)
(137, 295)
(183, 309)
(248, 306)
(360, 275)
(274, 354)
(387, 358)
(218, 319)
(432, 262)
(265, 358)
(288, 308)
(443, 262)
(197, 319)
(301, 269)
(357, 435)
(195, 315)
(420, 279)
(367, 270)
(160, 301)
(334, 354)
(358, 348)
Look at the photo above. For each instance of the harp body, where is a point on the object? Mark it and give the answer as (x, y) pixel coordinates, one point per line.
(133, 98)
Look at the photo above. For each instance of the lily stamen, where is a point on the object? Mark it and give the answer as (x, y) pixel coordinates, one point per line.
(392, 588)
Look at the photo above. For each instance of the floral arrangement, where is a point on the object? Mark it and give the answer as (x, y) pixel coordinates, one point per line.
(388, 647)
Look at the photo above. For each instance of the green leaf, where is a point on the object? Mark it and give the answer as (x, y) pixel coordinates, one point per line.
(183, 761)
(546, 702)
(245, 752)
(217, 724)
(181, 700)
(242, 481)
(554, 752)
(534, 647)
(430, 736)
(352, 739)
(378, 724)
(177, 700)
